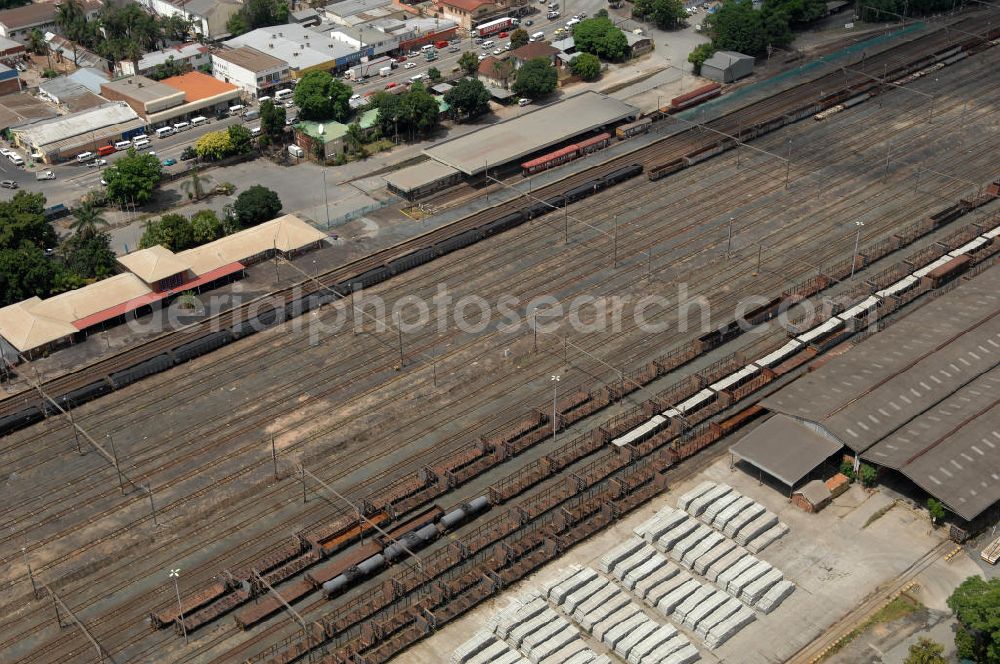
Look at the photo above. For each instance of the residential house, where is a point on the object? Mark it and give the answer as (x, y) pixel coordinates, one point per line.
(496, 73)
(17, 23)
(208, 17)
(193, 54)
(533, 51)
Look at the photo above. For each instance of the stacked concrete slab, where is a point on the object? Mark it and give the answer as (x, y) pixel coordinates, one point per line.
(775, 595)
(744, 520)
(471, 648)
(529, 625)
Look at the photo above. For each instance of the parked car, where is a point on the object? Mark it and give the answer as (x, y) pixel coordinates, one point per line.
(355, 98)
(454, 49)
(409, 65)
(497, 51)
(8, 184)
(503, 35)
(169, 162)
(97, 163)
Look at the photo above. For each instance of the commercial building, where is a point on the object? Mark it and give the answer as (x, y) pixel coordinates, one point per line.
(175, 98)
(69, 94)
(727, 66)
(303, 49)
(17, 23)
(208, 17)
(12, 51)
(255, 73)
(23, 109)
(353, 12)
(505, 142)
(467, 13)
(191, 55)
(919, 399)
(151, 278)
(10, 80)
(64, 137)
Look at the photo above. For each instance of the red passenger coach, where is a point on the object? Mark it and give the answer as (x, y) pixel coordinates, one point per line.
(568, 153)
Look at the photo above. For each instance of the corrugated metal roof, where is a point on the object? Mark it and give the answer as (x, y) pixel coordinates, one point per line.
(784, 448)
(65, 127)
(920, 397)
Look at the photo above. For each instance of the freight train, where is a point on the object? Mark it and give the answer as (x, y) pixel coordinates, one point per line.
(41, 409)
(946, 267)
(566, 154)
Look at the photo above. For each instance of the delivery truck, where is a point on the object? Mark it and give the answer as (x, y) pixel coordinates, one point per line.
(370, 68)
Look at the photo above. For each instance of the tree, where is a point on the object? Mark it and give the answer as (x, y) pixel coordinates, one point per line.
(535, 78)
(737, 26)
(664, 14)
(22, 221)
(169, 68)
(420, 109)
(468, 99)
(25, 272)
(354, 137)
(87, 217)
(434, 74)
(976, 604)
(133, 177)
(172, 231)
(601, 37)
(926, 651)
(71, 18)
(469, 62)
(868, 475)
(321, 97)
(936, 509)
(206, 227)
(586, 66)
(256, 205)
(88, 254)
(272, 120)
(37, 43)
(240, 139)
(519, 38)
(601, 13)
(175, 27)
(214, 145)
(258, 14)
(698, 56)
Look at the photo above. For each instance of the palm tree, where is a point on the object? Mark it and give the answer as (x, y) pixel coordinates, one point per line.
(195, 187)
(88, 217)
(71, 18)
(38, 45)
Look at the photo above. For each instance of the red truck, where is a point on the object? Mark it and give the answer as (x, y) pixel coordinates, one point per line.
(441, 44)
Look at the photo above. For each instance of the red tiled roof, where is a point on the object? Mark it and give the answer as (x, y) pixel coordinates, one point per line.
(489, 67)
(534, 50)
(138, 302)
(195, 85)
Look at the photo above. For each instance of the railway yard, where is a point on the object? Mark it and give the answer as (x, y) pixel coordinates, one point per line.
(247, 467)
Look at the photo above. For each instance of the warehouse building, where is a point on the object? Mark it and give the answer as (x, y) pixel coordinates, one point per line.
(64, 137)
(151, 278)
(727, 66)
(919, 399)
(505, 142)
(304, 50)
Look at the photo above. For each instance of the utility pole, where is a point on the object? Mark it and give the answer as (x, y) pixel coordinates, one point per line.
(555, 387)
(857, 242)
(326, 200)
(57, 602)
(114, 453)
(31, 574)
(729, 241)
(615, 265)
(399, 334)
(152, 507)
(274, 458)
(175, 575)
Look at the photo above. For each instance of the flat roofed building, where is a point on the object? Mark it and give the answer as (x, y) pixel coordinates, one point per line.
(172, 99)
(467, 13)
(146, 96)
(253, 71)
(507, 141)
(303, 49)
(64, 137)
(421, 179)
(23, 109)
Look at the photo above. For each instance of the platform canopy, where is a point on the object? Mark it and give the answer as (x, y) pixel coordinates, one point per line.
(785, 449)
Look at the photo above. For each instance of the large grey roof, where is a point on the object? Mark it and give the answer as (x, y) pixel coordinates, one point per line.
(512, 139)
(419, 175)
(784, 448)
(920, 397)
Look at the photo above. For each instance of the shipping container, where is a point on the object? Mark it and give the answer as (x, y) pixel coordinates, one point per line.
(495, 26)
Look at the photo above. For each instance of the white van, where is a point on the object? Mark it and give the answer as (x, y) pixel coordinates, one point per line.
(200, 120)
(427, 47)
(163, 132)
(487, 43)
(573, 21)
(255, 131)
(261, 100)
(141, 143)
(236, 110)
(80, 158)
(251, 115)
(538, 36)
(16, 159)
(182, 126)
(282, 95)
(122, 145)
(140, 137)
